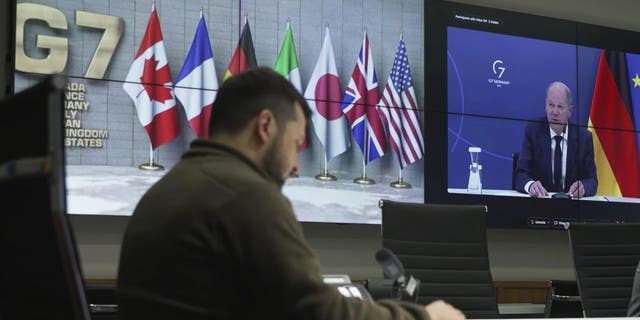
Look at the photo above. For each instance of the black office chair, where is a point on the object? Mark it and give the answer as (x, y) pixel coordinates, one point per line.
(102, 301)
(605, 257)
(40, 276)
(445, 246)
(563, 300)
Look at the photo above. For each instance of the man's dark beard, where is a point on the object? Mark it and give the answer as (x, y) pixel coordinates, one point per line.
(272, 162)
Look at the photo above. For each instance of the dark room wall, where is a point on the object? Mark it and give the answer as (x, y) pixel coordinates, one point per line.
(514, 254)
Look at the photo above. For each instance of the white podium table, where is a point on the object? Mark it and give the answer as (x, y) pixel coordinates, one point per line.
(513, 193)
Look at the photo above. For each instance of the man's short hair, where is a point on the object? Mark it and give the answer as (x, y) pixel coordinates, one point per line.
(243, 96)
(564, 87)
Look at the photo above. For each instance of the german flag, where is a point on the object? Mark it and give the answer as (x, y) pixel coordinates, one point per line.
(611, 121)
(245, 56)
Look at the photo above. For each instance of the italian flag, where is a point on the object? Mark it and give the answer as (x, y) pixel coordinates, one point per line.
(287, 62)
(287, 65)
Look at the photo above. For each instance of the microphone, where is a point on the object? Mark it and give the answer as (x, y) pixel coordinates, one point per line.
(392, 268)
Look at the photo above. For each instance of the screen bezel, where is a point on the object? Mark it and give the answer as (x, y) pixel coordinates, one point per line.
(10, 24)
(346, 168)
(505, 212)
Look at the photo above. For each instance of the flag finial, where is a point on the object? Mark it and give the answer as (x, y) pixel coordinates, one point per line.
(288, 19)
(326, 24)
(401, 33)
(201, 9)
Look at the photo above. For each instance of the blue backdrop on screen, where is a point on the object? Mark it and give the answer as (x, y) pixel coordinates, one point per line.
(499, 85)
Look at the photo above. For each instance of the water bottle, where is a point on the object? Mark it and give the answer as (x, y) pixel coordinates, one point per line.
(475, 184)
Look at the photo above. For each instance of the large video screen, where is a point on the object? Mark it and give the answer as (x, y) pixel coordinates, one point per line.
(97, 45)
(521, 95)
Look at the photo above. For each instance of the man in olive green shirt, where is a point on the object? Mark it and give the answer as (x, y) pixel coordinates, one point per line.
(216, 239)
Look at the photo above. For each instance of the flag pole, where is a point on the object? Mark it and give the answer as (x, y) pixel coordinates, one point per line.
(400, 184)
(365, 155)
(151, 165)
(325, 175)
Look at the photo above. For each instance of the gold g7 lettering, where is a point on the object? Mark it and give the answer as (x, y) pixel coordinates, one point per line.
(57, 46)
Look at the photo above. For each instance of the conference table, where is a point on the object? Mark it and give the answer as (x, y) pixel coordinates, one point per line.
(599, 318)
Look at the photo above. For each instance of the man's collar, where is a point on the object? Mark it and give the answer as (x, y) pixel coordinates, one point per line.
(203, 147)
(564, 134)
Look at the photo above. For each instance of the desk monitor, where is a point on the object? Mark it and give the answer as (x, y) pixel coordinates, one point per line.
(487, 79)
(95, 43)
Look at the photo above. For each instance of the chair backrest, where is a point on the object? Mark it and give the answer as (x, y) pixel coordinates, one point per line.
(445, 246)
(605, 257)
(634, 304)
(40, 276)
(563, 300)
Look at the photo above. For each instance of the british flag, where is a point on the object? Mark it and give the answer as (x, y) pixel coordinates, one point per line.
(359, 105)
(399, 111)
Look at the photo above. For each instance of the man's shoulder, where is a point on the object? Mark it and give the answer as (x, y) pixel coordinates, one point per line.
(224, 169)
(222, 163)
(538, 123)
(262, 204)
(537, 126)
(583, 131)
(208, 182)
(579, 133)
(263, 195)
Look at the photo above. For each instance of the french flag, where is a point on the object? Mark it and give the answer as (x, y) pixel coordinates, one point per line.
(197, 84)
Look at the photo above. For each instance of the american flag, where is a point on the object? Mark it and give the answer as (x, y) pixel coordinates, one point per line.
(359, 104)
(399, 111)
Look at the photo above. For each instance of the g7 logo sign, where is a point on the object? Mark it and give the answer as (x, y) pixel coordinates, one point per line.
(58, 47)
(497, 69)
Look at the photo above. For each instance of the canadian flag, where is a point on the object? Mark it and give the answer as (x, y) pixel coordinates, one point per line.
(148, 83)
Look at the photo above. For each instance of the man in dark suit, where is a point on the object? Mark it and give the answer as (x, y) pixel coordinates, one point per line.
(552, 143)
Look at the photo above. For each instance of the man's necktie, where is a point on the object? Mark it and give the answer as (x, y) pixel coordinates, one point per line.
(557, 164)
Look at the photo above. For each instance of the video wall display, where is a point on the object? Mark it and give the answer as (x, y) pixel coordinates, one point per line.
(139, 94)
(541, 117)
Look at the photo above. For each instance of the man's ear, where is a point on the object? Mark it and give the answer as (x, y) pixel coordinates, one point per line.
(266, 126)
